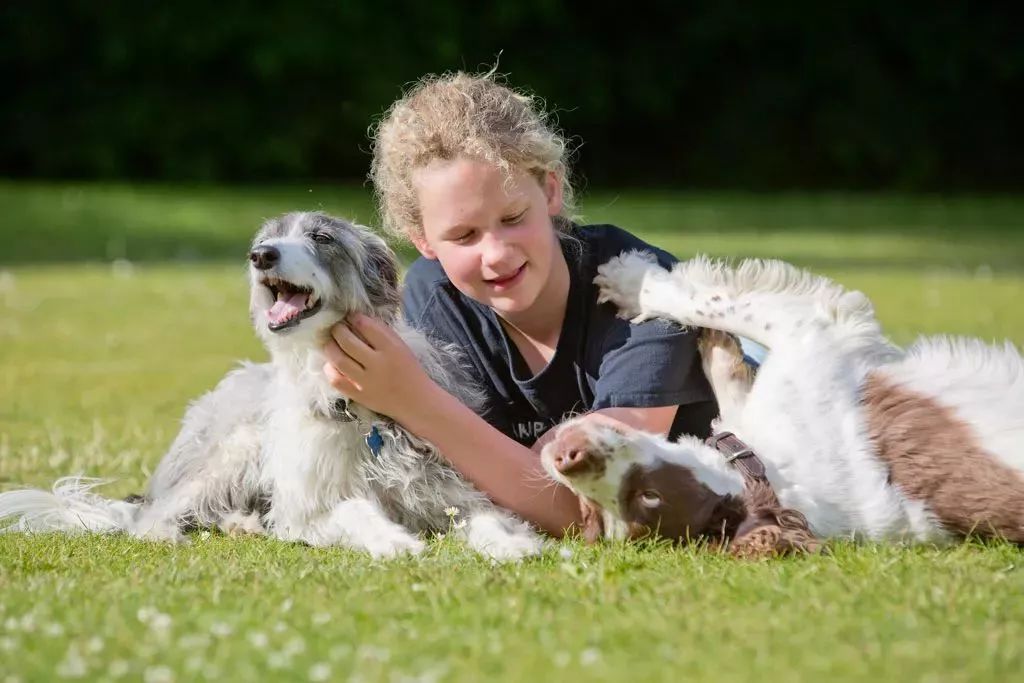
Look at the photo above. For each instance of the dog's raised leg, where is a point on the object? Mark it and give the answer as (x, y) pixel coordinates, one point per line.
(769, 302)
(730, 377)
(499, 536)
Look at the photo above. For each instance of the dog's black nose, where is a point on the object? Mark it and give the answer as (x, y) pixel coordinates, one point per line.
(264, 257)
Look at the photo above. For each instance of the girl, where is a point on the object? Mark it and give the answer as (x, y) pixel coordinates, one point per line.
(472, 173)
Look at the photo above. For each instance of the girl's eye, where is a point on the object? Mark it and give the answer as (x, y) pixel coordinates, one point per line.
(650, 499)
(512, 220)
(321, 237)
(463, 238)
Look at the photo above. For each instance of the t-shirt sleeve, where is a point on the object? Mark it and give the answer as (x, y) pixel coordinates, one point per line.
(420, 285)
(652, 364)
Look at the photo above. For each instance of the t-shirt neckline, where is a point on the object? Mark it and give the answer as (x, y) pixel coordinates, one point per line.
(568, 335)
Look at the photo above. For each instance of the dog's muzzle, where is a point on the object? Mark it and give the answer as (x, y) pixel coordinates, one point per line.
(292, 303)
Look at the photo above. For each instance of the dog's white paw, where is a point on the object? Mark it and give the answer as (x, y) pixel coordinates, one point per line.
(241, 524)
(501, 538)
(513, 547)
(166, 531)
(621, 280)
(394, 544)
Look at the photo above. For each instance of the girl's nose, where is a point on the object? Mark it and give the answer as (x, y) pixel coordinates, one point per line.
(494, 249)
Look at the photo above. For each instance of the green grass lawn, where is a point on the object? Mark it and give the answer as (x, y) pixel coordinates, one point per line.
(120, 303)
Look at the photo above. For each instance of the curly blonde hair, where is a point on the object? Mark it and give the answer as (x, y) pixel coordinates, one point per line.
(459, 114)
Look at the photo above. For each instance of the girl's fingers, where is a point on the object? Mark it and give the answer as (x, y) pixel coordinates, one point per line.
(340, 381)
(341, 360)
(376, 333)
(350, 343)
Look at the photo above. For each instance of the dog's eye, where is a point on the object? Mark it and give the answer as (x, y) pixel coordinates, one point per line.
(321, 237)
(650, 499)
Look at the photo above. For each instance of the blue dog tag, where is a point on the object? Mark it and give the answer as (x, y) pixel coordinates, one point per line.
(374, 441)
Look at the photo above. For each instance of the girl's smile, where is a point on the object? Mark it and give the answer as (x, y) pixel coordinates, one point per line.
(505, 282)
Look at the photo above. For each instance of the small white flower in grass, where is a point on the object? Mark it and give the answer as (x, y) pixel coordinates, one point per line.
(11, 624)
(94, 645)
(158, 674)
(319, 672)
(12, 679)
(258, 639)
(73, 665)
(144, 614)
(7, 644)
(295, 646)
(28, 622)
(459, 524)
(590, 656)
(221, 629)
(278, 660)
(452, 512)
(194, 663)
(565, 553)
(286, 606)
(160, 621)
(320, 618)
(203, 535)
(562, 659)
(53, 630)
(280, 627)
(417, 588)
(118, 668)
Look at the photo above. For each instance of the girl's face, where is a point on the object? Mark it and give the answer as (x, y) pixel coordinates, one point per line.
(492, 233)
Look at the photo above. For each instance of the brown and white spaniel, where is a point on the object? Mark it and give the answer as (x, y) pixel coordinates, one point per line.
(854, 437)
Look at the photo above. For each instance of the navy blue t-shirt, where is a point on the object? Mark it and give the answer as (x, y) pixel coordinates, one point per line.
(601, 361)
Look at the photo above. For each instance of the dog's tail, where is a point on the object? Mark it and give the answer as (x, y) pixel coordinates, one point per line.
(70, 506)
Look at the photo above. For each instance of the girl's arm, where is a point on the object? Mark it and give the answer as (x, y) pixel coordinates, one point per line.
(373, 366)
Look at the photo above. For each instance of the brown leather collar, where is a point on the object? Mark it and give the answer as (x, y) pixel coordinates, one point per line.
(740, 455)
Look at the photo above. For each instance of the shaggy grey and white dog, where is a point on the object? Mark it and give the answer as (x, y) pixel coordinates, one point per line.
(275, 449)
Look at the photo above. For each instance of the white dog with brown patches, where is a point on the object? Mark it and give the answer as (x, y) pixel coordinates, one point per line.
(857, 437)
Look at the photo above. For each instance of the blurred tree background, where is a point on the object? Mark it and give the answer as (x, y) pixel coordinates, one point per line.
(874, 94)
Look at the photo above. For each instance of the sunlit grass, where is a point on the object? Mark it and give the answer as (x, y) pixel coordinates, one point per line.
(98, 360)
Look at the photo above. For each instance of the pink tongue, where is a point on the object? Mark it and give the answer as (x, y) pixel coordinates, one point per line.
(284, 309)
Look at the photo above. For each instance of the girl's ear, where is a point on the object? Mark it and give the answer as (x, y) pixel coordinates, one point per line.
(420, 242)
(553, 191)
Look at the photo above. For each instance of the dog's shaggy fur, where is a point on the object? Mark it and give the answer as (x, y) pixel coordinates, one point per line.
(275, 449)
(859, 438)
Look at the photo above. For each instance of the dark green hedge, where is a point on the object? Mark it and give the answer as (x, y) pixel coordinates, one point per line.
(730, 94)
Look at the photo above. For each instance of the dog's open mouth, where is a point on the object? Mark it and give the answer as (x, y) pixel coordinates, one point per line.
(292, 304)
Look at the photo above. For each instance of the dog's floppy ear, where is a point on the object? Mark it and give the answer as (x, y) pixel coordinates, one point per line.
(381, 276)
(771, 533)
(593, 520)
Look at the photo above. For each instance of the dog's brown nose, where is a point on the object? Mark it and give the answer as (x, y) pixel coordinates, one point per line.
(573, 461)
(264, 257)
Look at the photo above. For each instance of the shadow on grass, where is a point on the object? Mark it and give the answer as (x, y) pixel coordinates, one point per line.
(61, 223)
(51, 223)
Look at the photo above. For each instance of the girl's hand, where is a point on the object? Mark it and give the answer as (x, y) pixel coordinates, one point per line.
(368, 362)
